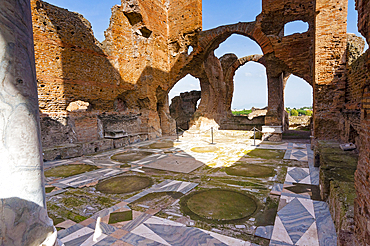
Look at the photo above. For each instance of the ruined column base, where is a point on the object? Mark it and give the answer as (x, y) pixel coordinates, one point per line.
(272, 133)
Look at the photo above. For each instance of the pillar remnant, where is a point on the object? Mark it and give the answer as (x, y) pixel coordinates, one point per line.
(24, 219)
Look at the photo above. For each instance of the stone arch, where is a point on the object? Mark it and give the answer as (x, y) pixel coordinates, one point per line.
(210, 40)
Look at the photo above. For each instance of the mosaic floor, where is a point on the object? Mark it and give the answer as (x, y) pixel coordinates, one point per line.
(143, 228)
(301, 219)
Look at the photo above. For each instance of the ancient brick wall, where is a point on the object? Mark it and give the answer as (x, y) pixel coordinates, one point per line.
(127, 74)
(356, 79)
(329, 67)
(362, 180)
(184, 17)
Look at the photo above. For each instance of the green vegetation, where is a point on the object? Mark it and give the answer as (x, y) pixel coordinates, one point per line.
(267, 154)
(123, 184)
(120, 217)
(307, 111)
(243, 112)
(250, 170)
(219, 205)
(129, 156)
(69, 170)
(293, 112)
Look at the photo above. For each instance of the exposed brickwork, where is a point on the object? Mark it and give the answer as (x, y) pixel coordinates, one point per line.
(121, 76)
(329, 66)
(360, 82)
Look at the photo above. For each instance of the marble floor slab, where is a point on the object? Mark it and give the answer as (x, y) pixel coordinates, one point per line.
(302, 221)
(84, 179)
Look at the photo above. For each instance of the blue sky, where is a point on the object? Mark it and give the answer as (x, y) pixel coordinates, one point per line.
(250, 80)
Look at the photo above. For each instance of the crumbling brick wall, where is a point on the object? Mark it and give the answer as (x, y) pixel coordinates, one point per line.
(329, 67)
(183, 107)
(127, 74)
(362, 180)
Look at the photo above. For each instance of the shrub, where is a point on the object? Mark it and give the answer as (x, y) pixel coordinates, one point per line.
(294, 112)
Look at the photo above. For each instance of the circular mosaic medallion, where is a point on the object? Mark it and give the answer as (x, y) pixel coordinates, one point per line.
(219, 205)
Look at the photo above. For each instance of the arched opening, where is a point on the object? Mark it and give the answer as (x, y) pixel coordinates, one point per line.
(98, 14)
(250, 80)
(298, 96)
(239, 45)
(184, 100)
(250, 88)
(295, 27)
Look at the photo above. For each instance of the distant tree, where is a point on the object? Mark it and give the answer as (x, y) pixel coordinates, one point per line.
(309, 112)
(293, 112)
(301, 112)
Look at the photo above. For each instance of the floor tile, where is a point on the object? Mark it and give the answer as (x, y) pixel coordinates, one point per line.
(264, 231)
(119, 233)
(325, 226)
(144, 231)
(66, 224)
(296, 219)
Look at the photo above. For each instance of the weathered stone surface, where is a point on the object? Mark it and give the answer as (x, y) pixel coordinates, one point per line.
(126, 74)
(183, 107)
(23, 215)
(362, 181)
(337, 169)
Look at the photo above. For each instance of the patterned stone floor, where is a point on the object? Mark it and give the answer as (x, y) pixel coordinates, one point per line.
(143, 229)
(302, 219)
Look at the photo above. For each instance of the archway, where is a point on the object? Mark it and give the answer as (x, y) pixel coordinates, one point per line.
(246, 72)
(184, 99)
(250, 87)
(298, 101)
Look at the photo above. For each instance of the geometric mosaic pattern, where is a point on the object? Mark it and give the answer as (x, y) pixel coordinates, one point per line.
(296, 152)
(300, 219)
(301, 222)
(83, 179)
(144, 229)
(298, 175)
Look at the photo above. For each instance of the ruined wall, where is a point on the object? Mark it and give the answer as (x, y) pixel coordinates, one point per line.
(350, 120)
(183, 107)
(329, 67)
(125, 75)
(362, 180)
(298, 58)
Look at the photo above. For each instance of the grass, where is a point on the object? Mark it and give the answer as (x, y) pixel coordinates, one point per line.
(69, 170)
(250, 170)
(120, 217)
(219, 205)
(123, 184)
(267, 154)
(130, 156)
